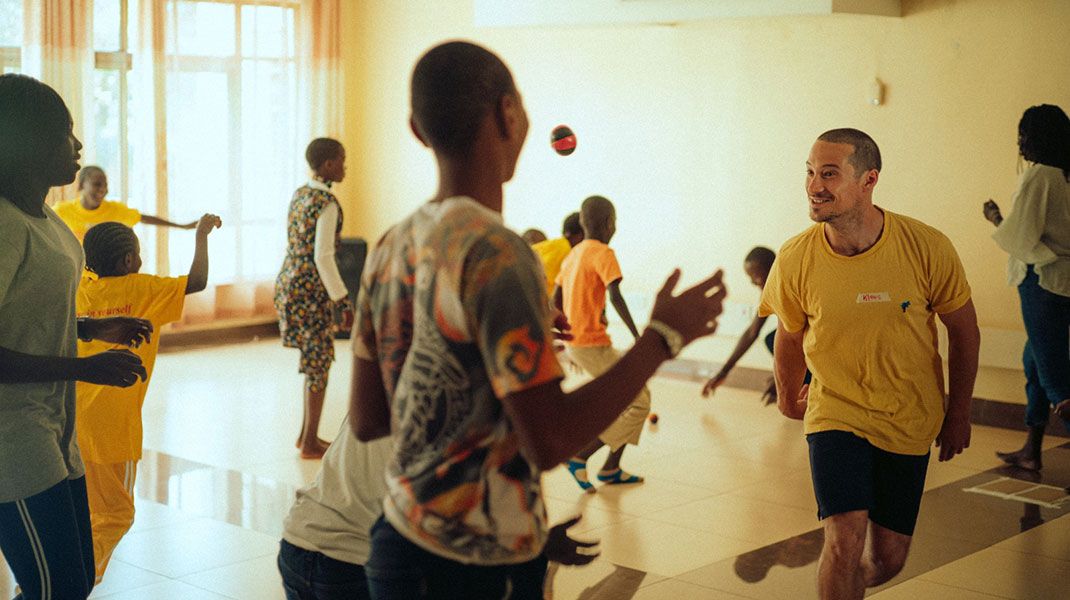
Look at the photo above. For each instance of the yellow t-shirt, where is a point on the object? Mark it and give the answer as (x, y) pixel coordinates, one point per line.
(870, 336)
(80, 220)
(551, 253)
(108, 418)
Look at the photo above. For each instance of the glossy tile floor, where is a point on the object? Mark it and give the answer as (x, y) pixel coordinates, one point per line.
(727, 510)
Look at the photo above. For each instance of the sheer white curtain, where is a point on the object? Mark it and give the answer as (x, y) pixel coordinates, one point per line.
(228, 95)
(57, 50)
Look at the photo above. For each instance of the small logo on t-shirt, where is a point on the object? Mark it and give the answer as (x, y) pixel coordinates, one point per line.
(905, 304)
(866, 297)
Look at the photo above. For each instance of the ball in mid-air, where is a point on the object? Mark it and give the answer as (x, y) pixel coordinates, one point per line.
(653, 418)
(563, 140)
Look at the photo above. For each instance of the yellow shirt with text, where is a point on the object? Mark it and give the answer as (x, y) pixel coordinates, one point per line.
(80, 220)
(870, 333)
(108, 418)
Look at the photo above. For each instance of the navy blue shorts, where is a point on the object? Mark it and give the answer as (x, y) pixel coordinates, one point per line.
(851, 474)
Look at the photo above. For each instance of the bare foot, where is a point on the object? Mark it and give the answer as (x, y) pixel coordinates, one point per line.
(1022, 459)
(314, 450)
(1062, 409)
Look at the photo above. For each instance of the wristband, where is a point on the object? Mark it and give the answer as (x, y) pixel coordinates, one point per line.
(80, 328)
(673, 340)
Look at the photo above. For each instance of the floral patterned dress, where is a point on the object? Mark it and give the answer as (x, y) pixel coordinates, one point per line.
(301, 300)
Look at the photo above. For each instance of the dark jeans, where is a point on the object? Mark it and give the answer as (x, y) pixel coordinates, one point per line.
(308, 575)
(401, 570)
(48, 542)
(770, 341)
(1046, 358)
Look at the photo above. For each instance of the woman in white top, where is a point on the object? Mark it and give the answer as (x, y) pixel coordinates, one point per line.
(44, 512)
(1037, 236)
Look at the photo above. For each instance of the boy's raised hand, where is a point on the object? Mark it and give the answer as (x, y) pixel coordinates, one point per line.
(207, 223)
(693, 313)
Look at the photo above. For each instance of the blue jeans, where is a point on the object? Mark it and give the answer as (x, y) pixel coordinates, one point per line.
(1046, 358)
(308, 575)
(401, 570)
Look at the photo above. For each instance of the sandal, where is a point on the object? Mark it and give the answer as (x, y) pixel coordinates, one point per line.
(620, 476)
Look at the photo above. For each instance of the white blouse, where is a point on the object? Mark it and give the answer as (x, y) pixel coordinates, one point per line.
(323, 253)
(1037, 232)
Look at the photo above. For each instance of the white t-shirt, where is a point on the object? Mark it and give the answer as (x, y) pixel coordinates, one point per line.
(40, 266)
(332, 515)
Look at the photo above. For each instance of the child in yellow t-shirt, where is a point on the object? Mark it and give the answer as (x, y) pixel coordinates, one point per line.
(90, 207)
(108, 419)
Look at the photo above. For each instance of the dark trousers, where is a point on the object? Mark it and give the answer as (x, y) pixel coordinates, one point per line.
(308, 575)
(401, 570)
(48, 542)
(1046, 358)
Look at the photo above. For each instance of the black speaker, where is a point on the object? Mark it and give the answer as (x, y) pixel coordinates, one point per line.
(352, 252)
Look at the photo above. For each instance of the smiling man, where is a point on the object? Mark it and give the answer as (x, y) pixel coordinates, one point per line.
(856, 295)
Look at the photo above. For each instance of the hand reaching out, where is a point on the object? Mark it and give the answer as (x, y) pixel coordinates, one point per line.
(121, 368)
(562, 549)
(207, 223)
(127, 331)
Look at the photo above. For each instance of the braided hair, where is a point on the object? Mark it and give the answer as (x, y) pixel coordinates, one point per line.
(105, 245)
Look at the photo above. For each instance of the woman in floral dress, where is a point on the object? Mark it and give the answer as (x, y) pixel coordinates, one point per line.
(309, 285)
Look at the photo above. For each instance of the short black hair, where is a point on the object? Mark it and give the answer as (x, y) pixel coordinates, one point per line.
(105, 245)
(455, 85)
(1044, 136)
(86, 172)
(761, 256)
(321, 150)
(34, 121)
(572, 226)
(866, 155)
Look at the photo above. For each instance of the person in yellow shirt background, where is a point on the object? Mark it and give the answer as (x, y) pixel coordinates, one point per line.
(108, 420)
(552, 252)
(90, 207)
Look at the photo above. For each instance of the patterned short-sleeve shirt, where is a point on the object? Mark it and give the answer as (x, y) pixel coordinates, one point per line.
(453, 308)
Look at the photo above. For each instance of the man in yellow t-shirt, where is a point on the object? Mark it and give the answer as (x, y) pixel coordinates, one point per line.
(108, 419)
(856, 295)
(90, 207)
(552, 252)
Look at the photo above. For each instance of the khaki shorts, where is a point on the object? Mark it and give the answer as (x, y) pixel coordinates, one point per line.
(596, 360)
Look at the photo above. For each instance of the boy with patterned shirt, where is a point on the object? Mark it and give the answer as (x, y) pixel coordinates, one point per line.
(453, 356)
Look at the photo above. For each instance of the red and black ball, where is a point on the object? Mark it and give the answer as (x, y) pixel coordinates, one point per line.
(563, 140)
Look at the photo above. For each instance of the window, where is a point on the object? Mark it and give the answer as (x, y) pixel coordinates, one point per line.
(10, 35)
(231, 130)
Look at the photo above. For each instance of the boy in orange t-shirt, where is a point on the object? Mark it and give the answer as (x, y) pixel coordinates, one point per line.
(108, 419)
(587, 273)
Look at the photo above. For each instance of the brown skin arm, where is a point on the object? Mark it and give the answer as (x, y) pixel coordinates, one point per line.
(369, 409)
(789, 370)
(964, 342)
(537, 411)
(197, 279)
(154, 220)
(114, 367)
(621, 306)
(745, 342)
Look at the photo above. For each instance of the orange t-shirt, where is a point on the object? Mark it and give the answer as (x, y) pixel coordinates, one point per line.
(108, 419)
(585, 274)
